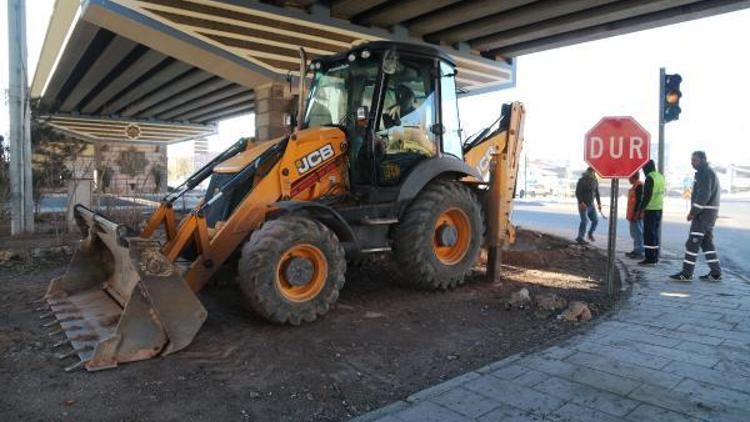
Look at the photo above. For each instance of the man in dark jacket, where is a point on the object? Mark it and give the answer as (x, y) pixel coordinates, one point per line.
(702, 217)
(651, 208)
(587, 190)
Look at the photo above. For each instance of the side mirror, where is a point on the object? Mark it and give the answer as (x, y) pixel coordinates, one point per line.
(437, 129)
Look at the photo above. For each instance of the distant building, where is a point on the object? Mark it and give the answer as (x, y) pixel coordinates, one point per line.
(200, 153)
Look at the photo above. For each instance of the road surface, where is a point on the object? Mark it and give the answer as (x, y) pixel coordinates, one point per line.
(732, 232)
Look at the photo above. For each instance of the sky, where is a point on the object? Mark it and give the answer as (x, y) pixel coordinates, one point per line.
(567, 90)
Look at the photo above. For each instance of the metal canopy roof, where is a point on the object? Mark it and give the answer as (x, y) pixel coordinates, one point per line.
(197, 61)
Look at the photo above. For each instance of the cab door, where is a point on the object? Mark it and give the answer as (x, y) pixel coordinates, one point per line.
(405, 129)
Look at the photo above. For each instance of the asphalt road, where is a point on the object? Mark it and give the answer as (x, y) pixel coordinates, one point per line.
(732, 232)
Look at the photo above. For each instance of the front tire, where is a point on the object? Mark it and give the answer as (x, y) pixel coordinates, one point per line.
(439, 239)
(292, 270)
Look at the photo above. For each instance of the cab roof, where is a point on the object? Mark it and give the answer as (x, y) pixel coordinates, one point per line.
(379, 46)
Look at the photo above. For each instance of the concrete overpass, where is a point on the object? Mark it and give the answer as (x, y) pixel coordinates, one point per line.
(186, 64)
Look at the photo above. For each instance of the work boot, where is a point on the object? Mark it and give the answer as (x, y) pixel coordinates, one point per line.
(591, 237)
(681, 276)
(580, 241)
(634, 255)
(646, 263)
(711, 277)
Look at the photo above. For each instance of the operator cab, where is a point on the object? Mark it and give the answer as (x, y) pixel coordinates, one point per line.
(397, 104)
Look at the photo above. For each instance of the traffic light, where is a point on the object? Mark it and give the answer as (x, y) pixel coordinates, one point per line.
(672, 95)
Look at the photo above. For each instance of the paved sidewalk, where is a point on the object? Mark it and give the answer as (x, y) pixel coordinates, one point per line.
(674, 352)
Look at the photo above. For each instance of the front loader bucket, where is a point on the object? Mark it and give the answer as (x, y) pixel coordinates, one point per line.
(121, 299)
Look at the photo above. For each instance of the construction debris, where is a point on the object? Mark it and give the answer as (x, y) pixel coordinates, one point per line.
(577, 311)
(550, 302)
(520, 298)
(7, 256)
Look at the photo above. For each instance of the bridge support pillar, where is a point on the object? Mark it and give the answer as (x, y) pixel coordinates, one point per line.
(272, 102)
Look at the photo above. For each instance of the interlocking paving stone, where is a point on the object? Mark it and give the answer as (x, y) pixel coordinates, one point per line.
(514, 394)
(647, 338)
(712, 324)
(530, 378)
(665, 352)
(610, 403)
(624, 355)
(383, 413)
(725, 334)
(466, 402)
(680, 402)
(639, 373)
(509, 372)
(582, 374)
(426, 411)
(741, 345)
(618, 327)
(709, 393)
(558, 352)
(735, 367)
(731, 380)
(509, 413)
(574, 412)
(442, 387)
(494, 366)
(647, 412)
(723, 351)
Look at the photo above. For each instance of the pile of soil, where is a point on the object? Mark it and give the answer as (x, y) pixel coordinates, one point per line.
(380, 343)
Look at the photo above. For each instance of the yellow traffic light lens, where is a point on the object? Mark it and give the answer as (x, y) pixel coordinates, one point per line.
(672, 97)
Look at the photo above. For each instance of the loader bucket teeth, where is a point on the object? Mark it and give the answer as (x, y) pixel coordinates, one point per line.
(121, 300)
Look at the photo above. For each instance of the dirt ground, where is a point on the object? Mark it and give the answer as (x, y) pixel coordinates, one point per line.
(379, 344)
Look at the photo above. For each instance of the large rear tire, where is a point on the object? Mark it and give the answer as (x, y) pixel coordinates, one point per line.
(292, 269)
(438, 240)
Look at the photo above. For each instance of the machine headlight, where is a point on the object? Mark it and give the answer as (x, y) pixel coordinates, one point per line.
(365, 54)
(352, 57)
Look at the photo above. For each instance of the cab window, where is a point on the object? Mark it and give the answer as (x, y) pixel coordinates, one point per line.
(449, 107)
(409, 112)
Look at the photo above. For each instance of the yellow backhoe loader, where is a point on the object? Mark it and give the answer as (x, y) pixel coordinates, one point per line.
(376, 163)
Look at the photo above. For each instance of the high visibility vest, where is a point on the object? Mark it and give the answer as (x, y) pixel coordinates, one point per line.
(631, 200)
(657, 195)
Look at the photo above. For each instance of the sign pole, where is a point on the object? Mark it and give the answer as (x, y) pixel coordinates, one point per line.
(612, 238)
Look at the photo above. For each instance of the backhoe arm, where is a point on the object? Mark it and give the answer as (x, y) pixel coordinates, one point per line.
(496, 157)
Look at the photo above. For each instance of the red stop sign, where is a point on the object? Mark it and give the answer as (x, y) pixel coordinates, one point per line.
(616, 147)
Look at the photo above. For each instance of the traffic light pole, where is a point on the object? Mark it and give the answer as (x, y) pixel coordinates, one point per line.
(662, 93)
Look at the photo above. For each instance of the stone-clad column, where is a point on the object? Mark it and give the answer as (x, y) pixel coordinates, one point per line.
(272, 101)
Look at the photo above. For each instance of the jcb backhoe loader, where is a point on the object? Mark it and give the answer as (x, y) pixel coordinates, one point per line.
(376, 164)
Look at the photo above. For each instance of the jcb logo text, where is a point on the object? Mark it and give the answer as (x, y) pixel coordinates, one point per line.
(314, 159)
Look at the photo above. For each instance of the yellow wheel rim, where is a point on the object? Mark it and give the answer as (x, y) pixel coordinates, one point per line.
(297, 291)
(456, 220)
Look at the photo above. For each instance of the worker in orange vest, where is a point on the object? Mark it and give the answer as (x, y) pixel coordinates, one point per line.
(635, 216)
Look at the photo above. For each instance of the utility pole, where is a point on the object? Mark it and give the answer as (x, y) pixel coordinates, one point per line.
(22, 209)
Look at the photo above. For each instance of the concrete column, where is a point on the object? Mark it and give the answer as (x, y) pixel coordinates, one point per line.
(272, 101)
(22, 206)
